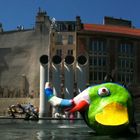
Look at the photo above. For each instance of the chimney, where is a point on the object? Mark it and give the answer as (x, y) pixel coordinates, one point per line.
(79, 24)
(42, 21)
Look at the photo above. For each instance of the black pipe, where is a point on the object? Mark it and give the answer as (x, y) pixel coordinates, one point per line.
(56, 59)
(82, 60)
(69, 59)
(44, 60)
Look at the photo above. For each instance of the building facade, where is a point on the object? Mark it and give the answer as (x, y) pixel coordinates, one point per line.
(113, 49)
(20, 50)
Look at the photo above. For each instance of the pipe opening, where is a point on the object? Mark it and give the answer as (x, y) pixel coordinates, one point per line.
(56, 59)
(44, 59)
(69, 59)
(82, 60)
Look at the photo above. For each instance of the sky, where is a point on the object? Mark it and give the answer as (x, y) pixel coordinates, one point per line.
(23, 12)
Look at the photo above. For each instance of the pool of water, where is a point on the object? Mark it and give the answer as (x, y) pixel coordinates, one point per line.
(18, 129)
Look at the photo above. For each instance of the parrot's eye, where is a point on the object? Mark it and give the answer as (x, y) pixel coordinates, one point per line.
(103, 92)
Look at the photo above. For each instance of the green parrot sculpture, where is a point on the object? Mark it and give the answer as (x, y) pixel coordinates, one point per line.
(107, 108)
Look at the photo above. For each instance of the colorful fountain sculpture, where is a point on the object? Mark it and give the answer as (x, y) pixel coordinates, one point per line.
(107, 108)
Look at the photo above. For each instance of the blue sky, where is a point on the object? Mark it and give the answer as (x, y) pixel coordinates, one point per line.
(23, 12)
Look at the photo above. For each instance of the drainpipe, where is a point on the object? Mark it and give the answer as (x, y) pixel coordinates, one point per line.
(68, 77)
(43, 78)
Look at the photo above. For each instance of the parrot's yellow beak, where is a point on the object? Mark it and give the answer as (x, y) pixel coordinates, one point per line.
(113, 114)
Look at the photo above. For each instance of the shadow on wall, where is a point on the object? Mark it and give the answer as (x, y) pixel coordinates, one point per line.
(3, 63)
(7, 92)
(17, 92)
(24, 86)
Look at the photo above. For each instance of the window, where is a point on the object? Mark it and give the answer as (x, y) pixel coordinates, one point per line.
(69, 27)
(99, 75)
(59, 52)
(126, 49)
(95, 61)
(61, 27)
(58, 39)
(90, 76)
(125, 67)
(70, 39)
(126, 77)
(95, 47)
(70, 52)
(95, 76)
(90, 61)
(99, 61)
(104, 61)
(126, 63)
(98, 46)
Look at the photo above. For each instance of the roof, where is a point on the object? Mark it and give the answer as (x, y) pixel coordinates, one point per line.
(112, 29)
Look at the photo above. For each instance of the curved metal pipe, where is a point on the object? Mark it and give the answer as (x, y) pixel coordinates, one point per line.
(68, 76)
(43, 78)
(81, 72)
(56, 74)
(56, 79)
